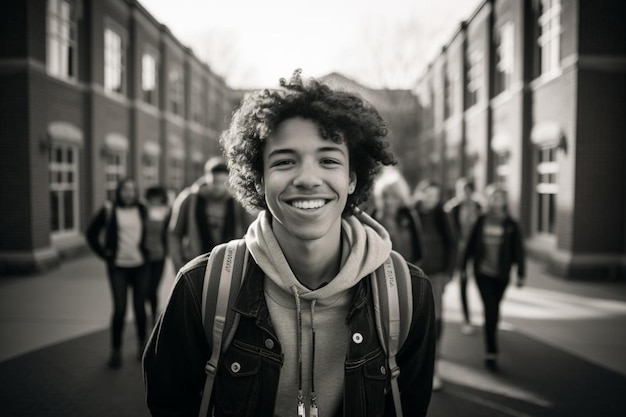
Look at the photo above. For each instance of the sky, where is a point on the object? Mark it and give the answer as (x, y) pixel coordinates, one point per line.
(382, 43)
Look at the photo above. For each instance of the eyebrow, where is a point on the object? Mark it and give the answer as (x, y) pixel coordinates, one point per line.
(289, 151)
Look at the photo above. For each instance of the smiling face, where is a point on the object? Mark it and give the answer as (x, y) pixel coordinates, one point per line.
(306, 182)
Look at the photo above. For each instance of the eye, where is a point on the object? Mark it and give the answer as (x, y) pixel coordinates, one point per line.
(282, 163)
(330, 161)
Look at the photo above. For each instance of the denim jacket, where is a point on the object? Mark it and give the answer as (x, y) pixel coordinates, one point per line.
(247, 376)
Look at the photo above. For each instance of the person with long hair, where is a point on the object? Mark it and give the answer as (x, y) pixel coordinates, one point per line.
(439, 255)
(393, 209)
(495, 245)
(117, 235)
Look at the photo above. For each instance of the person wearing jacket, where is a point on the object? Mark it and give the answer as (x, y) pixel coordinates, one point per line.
(463, 210)
(305, 155)
(495, 245)
(157, 220)
(205, 215)
(117, 235)
(439, 253)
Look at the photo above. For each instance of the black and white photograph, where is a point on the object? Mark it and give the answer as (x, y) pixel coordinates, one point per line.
(331, 208)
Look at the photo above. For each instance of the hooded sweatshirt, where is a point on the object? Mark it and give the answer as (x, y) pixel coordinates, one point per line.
(322, 312)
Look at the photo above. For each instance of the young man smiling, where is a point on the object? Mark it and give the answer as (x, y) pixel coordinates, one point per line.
(306, 341)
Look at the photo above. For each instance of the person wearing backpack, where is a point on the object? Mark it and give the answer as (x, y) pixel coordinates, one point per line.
(306, 337)
(117, 235)
(204, 215)
(495, 245)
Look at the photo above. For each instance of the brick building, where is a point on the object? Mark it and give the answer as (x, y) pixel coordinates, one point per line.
(543, 109)
(92, 91)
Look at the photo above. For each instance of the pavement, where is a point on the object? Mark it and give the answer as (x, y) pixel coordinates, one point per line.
(562, 349)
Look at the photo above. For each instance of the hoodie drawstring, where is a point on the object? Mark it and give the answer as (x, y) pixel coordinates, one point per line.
(313, 396)
(313, 412)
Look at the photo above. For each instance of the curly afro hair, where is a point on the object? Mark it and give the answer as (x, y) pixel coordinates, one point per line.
(339, 115)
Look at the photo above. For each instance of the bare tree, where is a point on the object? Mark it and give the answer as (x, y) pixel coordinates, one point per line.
(221, 48)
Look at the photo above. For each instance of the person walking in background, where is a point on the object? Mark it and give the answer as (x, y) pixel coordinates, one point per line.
(205, 215)
(463, 209)
(392, 209)
(494, 245)
(158, 214)
(117, 235)
(439, 251)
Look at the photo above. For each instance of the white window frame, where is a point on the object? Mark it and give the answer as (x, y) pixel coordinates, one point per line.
(62, 39)
(505, 55)
(475, 77)
(63, 178)
(114, 60)
(546, 190)
(150, 77)
(176, 92)
(115, 169)
(549, 39)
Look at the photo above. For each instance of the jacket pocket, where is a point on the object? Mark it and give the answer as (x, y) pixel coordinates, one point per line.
(375, 378)
(237, 382)
(366, 384)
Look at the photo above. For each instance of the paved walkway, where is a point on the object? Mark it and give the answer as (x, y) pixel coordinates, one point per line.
(562, 348)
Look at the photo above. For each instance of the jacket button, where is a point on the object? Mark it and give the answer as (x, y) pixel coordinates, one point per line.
(357, 338)
(235, 367)
(383, 370)
(269, 343)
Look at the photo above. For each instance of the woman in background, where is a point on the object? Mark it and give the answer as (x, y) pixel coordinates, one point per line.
(392, 208)
(495, 244)
(117, 235)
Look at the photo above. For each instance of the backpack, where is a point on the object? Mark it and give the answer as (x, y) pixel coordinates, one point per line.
(393, 307)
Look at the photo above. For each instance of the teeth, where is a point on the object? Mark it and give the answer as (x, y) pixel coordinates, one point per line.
(308, 204)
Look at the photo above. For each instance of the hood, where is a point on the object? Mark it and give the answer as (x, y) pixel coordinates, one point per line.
(365, 246)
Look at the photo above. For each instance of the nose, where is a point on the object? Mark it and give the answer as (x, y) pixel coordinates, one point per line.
(307, 175)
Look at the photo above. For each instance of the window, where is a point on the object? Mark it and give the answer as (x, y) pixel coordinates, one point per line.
(474, 78)
(550, 36)
(62, 39)
(177, 171)
(547, 189)
(150, 169)
(197, 93)
(114, 61)
(505, 57)
(149, 78)
(114, 171)
(502, 168)
(63, 171)
(176, 91)
(447, 94)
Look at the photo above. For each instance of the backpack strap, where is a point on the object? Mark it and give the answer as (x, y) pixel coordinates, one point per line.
(222, 280)
(393, 307)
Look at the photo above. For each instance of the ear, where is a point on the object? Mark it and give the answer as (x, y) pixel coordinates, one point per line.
(352, 185)
(260, 186)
